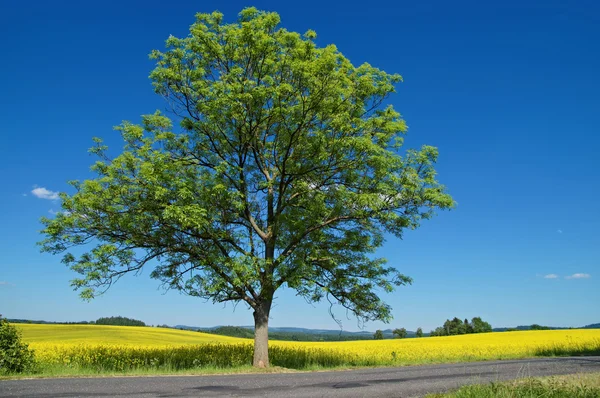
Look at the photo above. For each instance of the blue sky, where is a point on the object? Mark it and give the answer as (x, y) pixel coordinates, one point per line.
(509, 93)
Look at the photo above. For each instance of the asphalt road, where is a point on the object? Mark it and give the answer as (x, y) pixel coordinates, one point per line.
(411, 381)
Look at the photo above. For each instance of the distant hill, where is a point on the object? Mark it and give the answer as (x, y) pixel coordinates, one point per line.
(283, 333)
(292, 333)
(525, 327)
(145, 336)
(295, 330)
(529, 327)
(592, 326)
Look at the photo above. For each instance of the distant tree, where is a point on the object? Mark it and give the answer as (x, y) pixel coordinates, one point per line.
(119, 321)
(233, 331)
(535, 326)
(447, 327)
(400, 333)
(456, 326)
(439, 331)
(468, 327)
(480, 326)
(419, 332)
(378, 335)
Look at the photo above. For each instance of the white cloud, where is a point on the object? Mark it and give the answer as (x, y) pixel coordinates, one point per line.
(559, 231)
(550, 276)
(44, 193)
(4, 283)
(23, 194)
(578, 276)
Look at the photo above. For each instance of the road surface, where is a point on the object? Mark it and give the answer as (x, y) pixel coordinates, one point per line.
(410, 381)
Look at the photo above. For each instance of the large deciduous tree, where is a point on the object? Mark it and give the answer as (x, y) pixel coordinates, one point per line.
(285, 170)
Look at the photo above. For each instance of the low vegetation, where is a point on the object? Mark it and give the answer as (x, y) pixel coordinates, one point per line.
(15, 356)
(87, 349)
(572, 386)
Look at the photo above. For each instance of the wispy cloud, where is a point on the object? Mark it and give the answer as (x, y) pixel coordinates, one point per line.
(4, 283)
(578, 276)
(559, 231)
(550, 276)
(43, 193)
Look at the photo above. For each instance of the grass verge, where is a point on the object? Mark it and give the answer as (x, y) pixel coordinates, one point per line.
(54, 371)
(586, 385)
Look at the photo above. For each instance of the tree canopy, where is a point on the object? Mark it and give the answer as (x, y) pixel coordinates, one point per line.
(456, 326)
(400, 333)
(281, 165)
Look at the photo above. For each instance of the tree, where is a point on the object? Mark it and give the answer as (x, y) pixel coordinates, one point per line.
(400, 333)
(480, 326)
(439, 331)
(419, 332)
(378, 335)
(467, 326)
(15, 356)
(448, 328)
(286, 171)
(456, 326)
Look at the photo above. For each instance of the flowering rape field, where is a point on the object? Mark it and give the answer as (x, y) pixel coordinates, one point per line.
(120, 335)
(118, 348)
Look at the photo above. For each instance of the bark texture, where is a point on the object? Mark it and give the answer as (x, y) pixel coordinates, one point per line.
(261, 335)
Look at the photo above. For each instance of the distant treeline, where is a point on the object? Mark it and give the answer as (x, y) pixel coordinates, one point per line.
(112, 320)
(540, 327)
(119, 321)
(236, 331)
(50, 323)
(456, 326)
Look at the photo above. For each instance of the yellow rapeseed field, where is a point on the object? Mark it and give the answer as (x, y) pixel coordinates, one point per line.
(121, 335)
(125, 348)
(483, 346)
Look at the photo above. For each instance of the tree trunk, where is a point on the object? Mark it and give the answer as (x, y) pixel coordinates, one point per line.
(261, 335)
